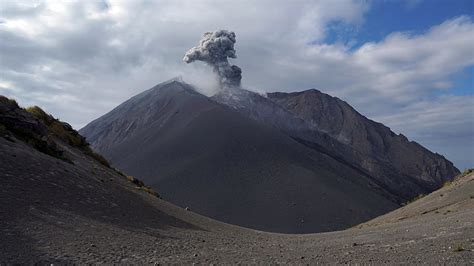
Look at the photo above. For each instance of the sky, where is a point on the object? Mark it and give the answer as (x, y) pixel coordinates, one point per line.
(406, 63)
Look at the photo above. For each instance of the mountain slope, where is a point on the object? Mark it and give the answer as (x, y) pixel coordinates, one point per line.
(210, 158)
(338, 119)
(79, 211)
(324, 123)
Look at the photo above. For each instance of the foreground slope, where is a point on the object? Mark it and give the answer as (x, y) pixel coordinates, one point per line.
(205, 156)
(455, 196)
(69, 208)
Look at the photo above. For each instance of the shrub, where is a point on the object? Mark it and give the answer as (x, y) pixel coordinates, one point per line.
(459, 248)
(140, 185)
(467, 172)
(61, 130)
(150, 191)
(447, 183)
(40, 114)
(98, 158)
(66, 133)
(414, 199)
(135, 181)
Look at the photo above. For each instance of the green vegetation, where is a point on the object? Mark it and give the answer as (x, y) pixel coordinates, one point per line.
(467, 172)
(44, 136)
(414, 199)
(59, 129)
(150, 191)
(459, 248)
(140, 185)
(32, 134)
(135, 181)
(447, 183)
(97, 157)
(66, 133)
(463, 174)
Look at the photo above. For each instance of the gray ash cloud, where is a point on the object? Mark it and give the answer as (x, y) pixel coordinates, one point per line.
(214, 48)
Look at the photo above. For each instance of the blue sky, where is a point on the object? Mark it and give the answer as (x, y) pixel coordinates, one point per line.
(384, 17)
(406, 63)
(416, 16)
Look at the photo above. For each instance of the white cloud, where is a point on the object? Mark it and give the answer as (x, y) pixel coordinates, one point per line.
(445, 124)
(80, 59)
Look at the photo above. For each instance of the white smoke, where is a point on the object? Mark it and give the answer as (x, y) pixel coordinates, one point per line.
(214, 48)
(203, 79)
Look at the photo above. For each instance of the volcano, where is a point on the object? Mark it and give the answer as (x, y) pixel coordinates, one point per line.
(284, 162)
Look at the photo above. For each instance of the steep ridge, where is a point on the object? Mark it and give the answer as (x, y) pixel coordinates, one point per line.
(79, 211)
(388, 157)
(214, 160)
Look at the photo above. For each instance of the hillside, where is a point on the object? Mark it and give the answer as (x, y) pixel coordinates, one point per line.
(455, 196)
(369, 138)
(69, 207)
(217, 162)
(277, 168)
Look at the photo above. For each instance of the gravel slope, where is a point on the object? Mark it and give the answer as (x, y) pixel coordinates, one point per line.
(54, 211)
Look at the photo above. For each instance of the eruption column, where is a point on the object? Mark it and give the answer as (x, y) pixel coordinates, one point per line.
(214, 48)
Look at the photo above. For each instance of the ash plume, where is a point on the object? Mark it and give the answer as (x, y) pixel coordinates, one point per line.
(214, 48)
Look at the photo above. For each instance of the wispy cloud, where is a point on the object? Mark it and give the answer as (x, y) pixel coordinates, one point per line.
(80, 59)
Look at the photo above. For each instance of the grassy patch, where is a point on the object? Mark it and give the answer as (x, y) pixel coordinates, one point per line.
(141, 186)
(463, 174)
(459, 248)
(66, 133)
(59, 129)
(447, 183)
(150, 191)
(135, 181)
(45, 132)
(467, 172)
(97, 157)
(414, 199)
(42, 143)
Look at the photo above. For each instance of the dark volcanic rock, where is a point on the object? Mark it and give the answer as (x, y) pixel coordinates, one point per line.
(246, 159)
(313, 118)
(18, 120)
(27, 127)
(384, 152)
(206, 156)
